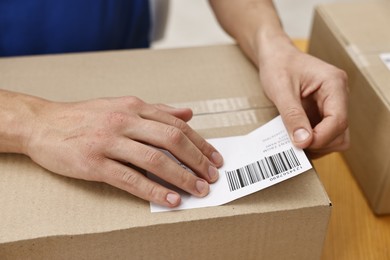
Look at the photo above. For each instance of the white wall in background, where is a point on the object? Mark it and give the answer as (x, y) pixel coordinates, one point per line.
(192, 23)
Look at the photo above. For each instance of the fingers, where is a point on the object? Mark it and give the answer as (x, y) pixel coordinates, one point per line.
(179, 135)
(158, 163)
(128, 179)
(340, 143)
(160, 129)
(313, 105)
(332, 131)
(164, 127)
(179, 144)
(295, 119)
(328, 132)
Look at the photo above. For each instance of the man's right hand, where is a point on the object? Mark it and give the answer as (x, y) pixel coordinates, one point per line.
(96, 140)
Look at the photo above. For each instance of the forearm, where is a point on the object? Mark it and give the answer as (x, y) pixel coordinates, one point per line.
(17, 114)
(253, 23)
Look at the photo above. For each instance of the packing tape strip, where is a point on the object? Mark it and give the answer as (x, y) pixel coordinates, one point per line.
(227, 119)
(357, 56)
(234, 118)
(223, 105)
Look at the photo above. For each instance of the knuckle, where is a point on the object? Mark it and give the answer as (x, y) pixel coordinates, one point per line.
(126, 177)
(180, 124)
(346, 141)
(174, 135)
(343, 124)
(292, 113)
(153, 192)
(205, 147)
(183, 179)
(133, 101)
(344, 78)
(186, 179)
(153, 157)
(129, 178)
(340, 75)
(200, 160)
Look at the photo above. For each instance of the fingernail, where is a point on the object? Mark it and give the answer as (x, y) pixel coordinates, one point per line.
(216, 158)
(201, 186)
(172, 198)
(301, 135)
(213, 173)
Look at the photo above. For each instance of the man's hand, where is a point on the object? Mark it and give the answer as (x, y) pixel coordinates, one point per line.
(310, 95)
(99, 140)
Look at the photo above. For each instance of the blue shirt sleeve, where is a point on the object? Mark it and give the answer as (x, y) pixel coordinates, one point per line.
(30, 27)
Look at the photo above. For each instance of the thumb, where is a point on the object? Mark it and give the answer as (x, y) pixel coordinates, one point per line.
(296, 121)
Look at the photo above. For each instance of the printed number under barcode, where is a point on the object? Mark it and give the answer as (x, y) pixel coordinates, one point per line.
(262, 169)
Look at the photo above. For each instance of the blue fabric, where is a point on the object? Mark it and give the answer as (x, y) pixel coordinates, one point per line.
(58, 26)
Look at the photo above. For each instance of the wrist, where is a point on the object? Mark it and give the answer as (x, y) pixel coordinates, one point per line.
(271, 42)
(19, 113)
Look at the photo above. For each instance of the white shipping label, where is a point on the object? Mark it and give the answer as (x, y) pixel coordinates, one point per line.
(385, 57)
(252, 162)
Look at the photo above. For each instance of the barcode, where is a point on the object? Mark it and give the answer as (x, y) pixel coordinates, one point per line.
(262, 169)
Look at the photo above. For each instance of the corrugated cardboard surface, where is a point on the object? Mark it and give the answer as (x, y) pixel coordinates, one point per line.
(351, 36)
(44, 215)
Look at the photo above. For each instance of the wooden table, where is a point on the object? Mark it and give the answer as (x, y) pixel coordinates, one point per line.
(354, 231)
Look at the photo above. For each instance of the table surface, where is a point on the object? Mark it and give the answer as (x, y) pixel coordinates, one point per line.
(354, 231)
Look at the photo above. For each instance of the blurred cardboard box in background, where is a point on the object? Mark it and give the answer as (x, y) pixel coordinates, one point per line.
(356, 37)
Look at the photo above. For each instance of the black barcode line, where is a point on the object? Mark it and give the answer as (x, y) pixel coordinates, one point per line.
(262, 169)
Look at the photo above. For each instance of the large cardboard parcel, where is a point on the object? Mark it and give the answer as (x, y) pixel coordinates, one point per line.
(46, 216)
(355, 37)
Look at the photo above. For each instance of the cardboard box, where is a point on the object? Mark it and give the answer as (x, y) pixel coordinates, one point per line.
(352, 36)
(46, 216)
